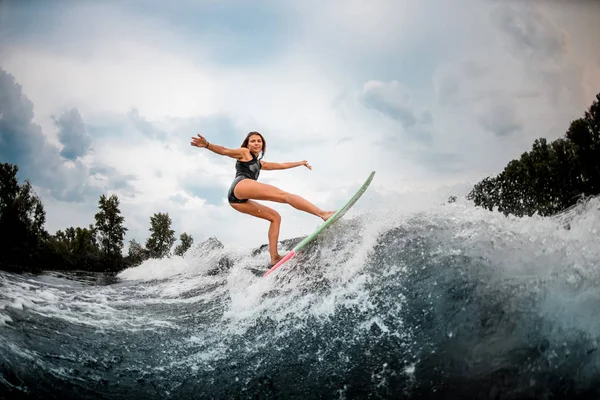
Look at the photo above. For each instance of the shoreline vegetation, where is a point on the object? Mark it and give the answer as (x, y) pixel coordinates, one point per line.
(550, 178)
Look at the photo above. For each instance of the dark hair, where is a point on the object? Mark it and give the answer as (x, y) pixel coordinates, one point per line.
(247, 139)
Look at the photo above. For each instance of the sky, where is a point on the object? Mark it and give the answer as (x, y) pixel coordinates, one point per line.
(104, 97)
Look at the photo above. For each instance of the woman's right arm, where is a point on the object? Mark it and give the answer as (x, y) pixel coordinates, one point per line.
(238, 154)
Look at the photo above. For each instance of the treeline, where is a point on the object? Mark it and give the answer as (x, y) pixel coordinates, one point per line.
(552, 176)
(27, 246)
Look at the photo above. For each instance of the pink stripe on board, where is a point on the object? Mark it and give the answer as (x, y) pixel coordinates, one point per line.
(280, 262)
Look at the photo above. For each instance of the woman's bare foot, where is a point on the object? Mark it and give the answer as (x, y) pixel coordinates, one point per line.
(275, 260)
(327, 214)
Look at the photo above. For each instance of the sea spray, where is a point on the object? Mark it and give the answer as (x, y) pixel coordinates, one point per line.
(450, 301)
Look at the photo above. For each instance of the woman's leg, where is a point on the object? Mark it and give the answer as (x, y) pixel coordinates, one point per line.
(251, 189)
(264, 212)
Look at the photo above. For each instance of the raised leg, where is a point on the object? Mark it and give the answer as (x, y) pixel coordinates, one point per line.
(250, 189)
(261, 211)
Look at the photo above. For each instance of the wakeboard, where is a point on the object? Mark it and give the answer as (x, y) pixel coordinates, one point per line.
(330, 221)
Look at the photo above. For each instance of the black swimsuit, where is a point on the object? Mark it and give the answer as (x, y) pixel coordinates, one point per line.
(244, 170)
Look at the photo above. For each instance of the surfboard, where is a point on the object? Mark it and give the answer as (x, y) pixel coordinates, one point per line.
(331, 220)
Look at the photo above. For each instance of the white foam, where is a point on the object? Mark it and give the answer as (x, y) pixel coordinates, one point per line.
(564, 262)
(4, 319)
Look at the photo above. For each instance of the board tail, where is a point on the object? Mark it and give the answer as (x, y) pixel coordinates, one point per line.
(280, 262)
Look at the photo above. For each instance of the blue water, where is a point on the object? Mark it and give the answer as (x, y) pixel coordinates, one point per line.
(451, 302)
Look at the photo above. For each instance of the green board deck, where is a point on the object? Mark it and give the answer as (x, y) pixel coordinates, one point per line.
(338, 214)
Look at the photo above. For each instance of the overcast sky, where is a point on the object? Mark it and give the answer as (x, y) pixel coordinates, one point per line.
(103, 97)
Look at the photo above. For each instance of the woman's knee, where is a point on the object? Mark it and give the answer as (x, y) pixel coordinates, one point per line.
(275, 217)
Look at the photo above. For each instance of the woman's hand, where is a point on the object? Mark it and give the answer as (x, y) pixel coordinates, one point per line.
(306, 164)
(199, 141)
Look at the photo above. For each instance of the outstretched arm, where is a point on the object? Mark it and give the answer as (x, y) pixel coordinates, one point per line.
(273, 166)
(239, 154)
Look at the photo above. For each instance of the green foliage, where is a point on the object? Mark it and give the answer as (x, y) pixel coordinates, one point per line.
(109, 224)
(162, 238)
(76, 249)
(136, 253)
(22, 219)
(95, 248)
(551, 177)
(186, 242)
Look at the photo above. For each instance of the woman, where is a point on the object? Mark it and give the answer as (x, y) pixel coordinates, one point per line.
(245, 188)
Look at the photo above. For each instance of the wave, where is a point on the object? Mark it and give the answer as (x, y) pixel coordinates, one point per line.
(448, 302)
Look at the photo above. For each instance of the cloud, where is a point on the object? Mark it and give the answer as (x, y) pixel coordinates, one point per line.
(62, 174)
(519, 79)
(439, 161)
(23, 143)
(144, 126)
(19, 137)
(345, 139)
(218, 128)
(391, 99)
(500, 118)
(72, 135)
(237, 31)
(463, 82)
(529, 34)
(125, 75)
(179, 199)
(113, 180)
(487, 92)
(426, 117)
(212, 194)
(545, 50)
(423, 93)
(359, 29)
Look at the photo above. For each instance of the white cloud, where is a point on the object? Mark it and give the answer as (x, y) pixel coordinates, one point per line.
(363, 24)
(525, 84)
(392, 99)
(482, 105)
(120, 76)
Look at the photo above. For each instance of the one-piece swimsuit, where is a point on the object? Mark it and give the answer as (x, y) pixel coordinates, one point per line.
(244, 170)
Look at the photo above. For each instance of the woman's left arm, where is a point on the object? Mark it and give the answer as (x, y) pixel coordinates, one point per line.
(273, 165)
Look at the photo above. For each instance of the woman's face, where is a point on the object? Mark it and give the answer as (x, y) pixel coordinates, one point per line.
(255, 143)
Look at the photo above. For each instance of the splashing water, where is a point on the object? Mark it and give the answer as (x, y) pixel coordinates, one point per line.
(449, 303)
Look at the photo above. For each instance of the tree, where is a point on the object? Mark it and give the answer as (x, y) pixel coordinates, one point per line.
(75, 248)
(552, 176)
(85, 248)
(162, 238)
(485, 193)
(22, 219)
(587, 149)
(136, 253)
(186, 243)
(565, 172)
(109, 225)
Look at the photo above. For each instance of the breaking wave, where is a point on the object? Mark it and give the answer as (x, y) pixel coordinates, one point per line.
(455, 302)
